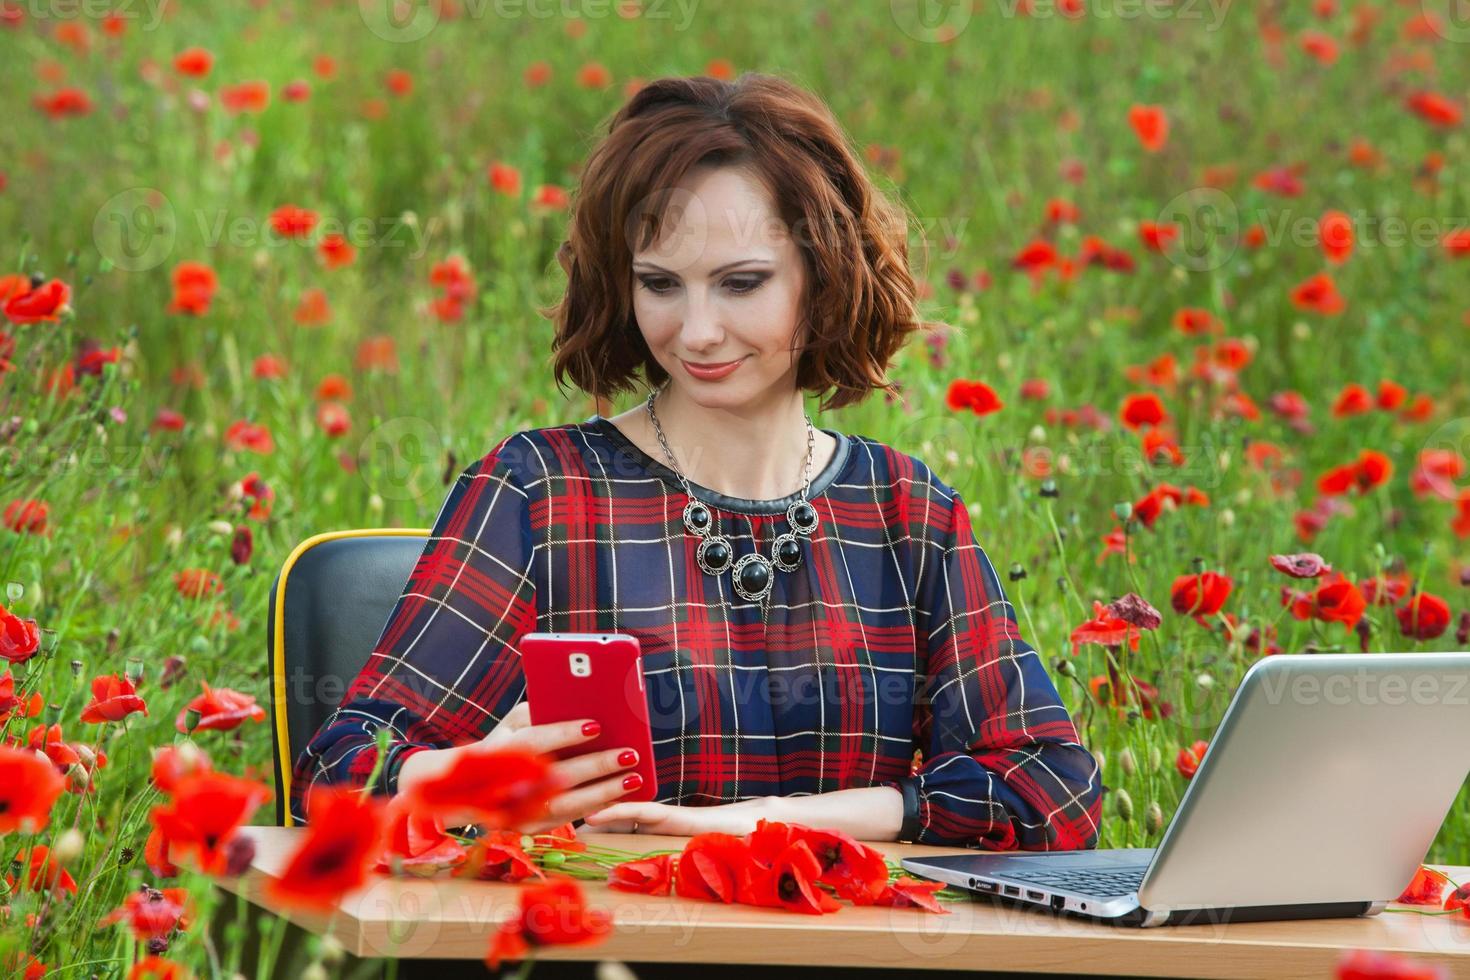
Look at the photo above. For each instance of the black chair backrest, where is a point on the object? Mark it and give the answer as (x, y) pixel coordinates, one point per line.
(328, 607)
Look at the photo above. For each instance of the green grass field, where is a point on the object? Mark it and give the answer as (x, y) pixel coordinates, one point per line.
(1009, 137)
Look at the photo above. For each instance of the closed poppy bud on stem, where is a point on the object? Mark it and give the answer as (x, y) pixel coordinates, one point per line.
(1126, 762)
(1123, 511)
(191, 720)
(1153, 818)
(1123, 803)
(1155, 758)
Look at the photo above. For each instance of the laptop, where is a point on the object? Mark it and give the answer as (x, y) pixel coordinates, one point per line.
(1322, 790)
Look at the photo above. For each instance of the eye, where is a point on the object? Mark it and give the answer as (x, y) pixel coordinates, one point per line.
(742, 286)
(655, 284)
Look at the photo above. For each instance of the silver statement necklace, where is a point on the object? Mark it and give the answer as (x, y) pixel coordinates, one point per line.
(752, 574)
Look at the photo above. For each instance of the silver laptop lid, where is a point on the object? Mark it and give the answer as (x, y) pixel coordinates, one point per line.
(1326, 781)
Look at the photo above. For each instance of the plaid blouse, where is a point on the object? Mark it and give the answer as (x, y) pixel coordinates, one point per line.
(889, 657)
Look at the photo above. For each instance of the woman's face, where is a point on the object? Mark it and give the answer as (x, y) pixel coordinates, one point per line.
(723, 283)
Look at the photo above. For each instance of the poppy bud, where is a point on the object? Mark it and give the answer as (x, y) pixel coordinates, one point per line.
(554, 859)
(13, 592)
(1126, 763)
(1462, 632)
(134, 669)
(1017, 571)
(1101, 758)
(1065, 668)
(1155, 758)
(331, 951)
(1205, 681)
(1123, 511)
(1123, 803)
(68, 846)
(191, 719)
(375, 504)
(1153, 818)
(221, 528)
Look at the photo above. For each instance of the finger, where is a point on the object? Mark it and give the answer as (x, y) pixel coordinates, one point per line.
(576, 804)
(594, 765)
(555, 735)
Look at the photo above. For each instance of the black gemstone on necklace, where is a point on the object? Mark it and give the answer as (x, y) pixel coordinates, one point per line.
(754, 575)
(714, 553)
(788, 552)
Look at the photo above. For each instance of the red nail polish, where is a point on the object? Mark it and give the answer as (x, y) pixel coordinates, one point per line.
(628, 758)
(632, 781)
(591, 728)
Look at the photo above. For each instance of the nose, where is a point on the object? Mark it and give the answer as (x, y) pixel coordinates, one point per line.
(701, 330)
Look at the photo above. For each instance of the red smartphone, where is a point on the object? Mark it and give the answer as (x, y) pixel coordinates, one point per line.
(592, 675)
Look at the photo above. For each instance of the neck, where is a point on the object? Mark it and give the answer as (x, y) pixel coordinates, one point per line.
(757, 452)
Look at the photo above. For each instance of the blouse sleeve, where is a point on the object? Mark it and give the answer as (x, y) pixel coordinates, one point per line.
(444, 670)
(1002, 768)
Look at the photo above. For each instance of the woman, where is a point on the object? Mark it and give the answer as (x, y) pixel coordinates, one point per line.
(812, 606)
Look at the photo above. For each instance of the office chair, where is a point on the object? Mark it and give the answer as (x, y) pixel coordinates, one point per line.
(328, 606)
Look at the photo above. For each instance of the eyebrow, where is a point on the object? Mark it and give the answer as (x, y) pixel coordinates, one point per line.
(727, 266)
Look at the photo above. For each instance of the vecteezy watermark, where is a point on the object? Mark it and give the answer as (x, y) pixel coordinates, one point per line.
(399, 460)
(1453, 437)
(148, 12)
(1361, 686)
(405, 21)
(1450, 19)
(135, 229)
(932, 21)
(1209, 225)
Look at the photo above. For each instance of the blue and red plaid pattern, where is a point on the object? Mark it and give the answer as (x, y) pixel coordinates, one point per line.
(893, 635)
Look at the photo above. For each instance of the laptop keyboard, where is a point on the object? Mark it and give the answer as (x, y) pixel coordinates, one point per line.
(1107, 883)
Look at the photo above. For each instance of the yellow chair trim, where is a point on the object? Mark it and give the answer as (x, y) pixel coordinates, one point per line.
(278, 657)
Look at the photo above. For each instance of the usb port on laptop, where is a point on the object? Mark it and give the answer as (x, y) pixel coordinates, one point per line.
(1012, 890)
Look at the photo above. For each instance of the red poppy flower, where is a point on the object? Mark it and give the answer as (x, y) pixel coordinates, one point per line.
(243, 435)
(152, 913)
(63, 102)
(29, 786)
(1320, 46)
(563, 838)
(194, 62)
(10, 702)
(1371, 964)
(1095, 251)
(344, 836)
(1354, 399)
(40, 873)
(715, 867)
(498, 856)
(156, 855)
(1106, 629)
(647, 876)
(504, 787)
(1036, 257)
(20, 639)
(554, 914)
(157, 968)
(909, 892)
(1318, 294)
(1305, 564)
(44, 304)
(1335, 233)
(504, 178)
(336, 251)
(791, 882)
(1387, 589)
(977, 396)
(172, 763)
(206, 810)
(1391, 395)
(1156, 236)
(1150, 125)
(1435, 108)
(1200, 595)
(194, 288)
(1188, 760)
(857, 872)
(1425, 888)
(1336, 600)
(1369, 470)
(1141, 409)
(113, 699)
(399, 82)
(252, 96)
(1192, 321)
(1285, 181)
(1436, 473)
(290, 221)
(1424, 617)
(219, 709)
(196, 583)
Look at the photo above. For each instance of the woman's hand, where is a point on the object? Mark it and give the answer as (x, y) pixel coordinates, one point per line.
(590, 781)
(684, 821)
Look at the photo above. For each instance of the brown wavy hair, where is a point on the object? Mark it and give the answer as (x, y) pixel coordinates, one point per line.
(859, 298)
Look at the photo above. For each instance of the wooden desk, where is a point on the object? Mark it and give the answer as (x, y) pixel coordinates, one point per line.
(449, 918)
